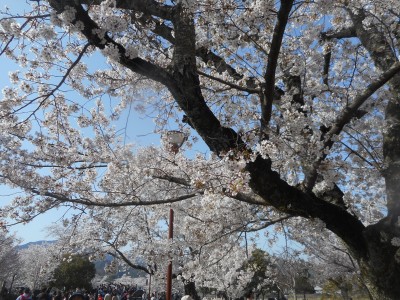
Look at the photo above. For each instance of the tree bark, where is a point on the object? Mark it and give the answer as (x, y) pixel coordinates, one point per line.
(383, 56)
(190, 289)
(381, 266)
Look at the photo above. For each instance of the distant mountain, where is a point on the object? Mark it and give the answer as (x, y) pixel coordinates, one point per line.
(24, 246)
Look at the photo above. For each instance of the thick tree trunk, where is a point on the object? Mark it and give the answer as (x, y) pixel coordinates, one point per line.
(374, 40)
(345, 294)
(190, 289)
(381, 266)
(371, 246)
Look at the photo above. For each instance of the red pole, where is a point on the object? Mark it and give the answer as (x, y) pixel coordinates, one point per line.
(171, 224)
(168, 295)
(149, 297)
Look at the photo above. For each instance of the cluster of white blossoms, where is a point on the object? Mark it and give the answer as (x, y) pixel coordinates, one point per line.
(38, 263)
(9, 26)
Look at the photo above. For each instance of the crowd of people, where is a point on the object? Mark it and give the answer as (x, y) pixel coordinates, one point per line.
(103, 292)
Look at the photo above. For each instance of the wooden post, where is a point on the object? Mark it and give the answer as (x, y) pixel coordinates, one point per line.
(168, 295)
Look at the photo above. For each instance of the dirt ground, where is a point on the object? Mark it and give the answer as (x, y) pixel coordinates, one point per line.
(324, 297)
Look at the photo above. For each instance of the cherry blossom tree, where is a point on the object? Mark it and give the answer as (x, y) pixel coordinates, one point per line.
(297, 102)
(292, 272)
(212, 258)
(37, 267)
(9, 259)
(336, 267)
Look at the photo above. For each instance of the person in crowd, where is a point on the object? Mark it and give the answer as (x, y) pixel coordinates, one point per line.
(26, 295)
(20, 291)
(107, 296)
(43, 294)
(76, 296)
(57, 295)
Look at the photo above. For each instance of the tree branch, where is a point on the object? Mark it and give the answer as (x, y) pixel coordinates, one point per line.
(218, 62)
(279, 30)
(183, 84)
(268, 223)
(146, 6)
(232, 85)
(327, 62)
(251, 199)
(65, 76)
(344, 33)
(137, 64)
(334, 34)
(173, 179)
(207, 56)
(88, 202)
(127, 260)
(188, 94)
(293, 201)
(384, 56)
(160, 28)
(345, 117)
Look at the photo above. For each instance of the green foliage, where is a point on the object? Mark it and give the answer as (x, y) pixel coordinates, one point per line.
(303, 285)
(347, 286)
(259, 262)
(74, 272)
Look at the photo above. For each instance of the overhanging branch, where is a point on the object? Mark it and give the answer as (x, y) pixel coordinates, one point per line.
(294, 201)
(137, 64)
(145, 6)
(88, 202)
(344, 33)
(127, 260)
